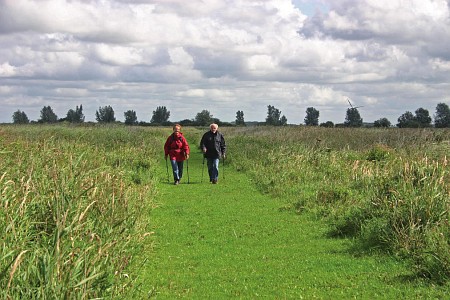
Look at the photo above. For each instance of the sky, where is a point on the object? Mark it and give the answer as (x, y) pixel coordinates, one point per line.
(385, 56)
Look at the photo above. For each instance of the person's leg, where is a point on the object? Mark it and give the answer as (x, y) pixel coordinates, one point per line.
(215, 170)
(180, 170)
(209, 163)
(176, 177)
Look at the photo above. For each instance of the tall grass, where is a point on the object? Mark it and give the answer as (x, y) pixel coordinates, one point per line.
(72, 202)
(389, 188)
(73, 199)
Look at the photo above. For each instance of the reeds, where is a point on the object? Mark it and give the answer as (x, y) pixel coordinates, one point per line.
(71, 217)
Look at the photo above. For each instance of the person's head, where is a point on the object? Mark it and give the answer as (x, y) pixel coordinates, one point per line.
(176, 128)
(213, 127)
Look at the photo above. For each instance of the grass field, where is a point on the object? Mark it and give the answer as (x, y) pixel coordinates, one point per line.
(312, 213)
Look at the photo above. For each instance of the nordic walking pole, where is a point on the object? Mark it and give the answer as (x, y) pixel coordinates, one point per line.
(187, 162)
(167, 169)
(223, 166)
(203, 168)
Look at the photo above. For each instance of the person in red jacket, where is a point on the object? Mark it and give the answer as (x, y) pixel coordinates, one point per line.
(177, 149)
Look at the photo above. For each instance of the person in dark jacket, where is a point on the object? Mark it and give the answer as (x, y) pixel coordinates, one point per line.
(177, 149)
(213, 147)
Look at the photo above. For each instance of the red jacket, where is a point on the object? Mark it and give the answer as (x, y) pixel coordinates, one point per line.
(176, 147)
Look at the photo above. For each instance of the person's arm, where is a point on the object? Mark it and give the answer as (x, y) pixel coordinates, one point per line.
(166, 147)
(186, 148)
(202, 143)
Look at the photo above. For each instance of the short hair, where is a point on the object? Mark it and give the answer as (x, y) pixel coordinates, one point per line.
(214, 125)
(177, 126)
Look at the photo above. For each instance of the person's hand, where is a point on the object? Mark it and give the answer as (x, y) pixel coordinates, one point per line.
(204, 150)
(187, 156)
(223, 156)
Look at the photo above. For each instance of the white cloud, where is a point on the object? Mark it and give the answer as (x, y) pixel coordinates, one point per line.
(261, 64)
(118, 55)
(179, 56)
(192, 93)
(6, 70)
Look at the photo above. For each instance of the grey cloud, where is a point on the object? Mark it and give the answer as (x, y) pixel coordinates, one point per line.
(216, 64)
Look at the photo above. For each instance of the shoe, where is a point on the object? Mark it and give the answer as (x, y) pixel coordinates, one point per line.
(214, 181)
(177, 182)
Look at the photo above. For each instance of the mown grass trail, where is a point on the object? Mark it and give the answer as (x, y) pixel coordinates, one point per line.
(231, 241)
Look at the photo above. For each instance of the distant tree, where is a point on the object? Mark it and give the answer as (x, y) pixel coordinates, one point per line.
(75, 116)
(382, 122)
(143, 123)
(187, 122)
(353, 119)
(203, 118)
(20, 117)
(160, 115)
(105, 114)
(442, 116)
(130, 117)
(274, 116)
(47, 115)
(225, 124)
(423, 118)
(327, 124)
(240, 118)
(312, 117)
(407, 120)
(217, 121)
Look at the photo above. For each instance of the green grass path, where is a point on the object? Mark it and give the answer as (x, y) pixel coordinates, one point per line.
(230, 241)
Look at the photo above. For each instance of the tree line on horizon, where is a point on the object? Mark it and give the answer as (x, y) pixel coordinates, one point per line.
(160, 117)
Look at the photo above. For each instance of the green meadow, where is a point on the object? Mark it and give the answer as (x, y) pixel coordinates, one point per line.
(90, 212)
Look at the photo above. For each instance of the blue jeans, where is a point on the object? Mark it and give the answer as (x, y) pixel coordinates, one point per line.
(177, 168)
(213, 168)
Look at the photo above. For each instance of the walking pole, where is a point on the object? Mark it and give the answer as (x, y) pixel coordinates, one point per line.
(187, 161)
(203, 168)
(167, 169)
(223, 167)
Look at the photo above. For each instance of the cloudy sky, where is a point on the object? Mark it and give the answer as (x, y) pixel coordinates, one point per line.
(389, 56)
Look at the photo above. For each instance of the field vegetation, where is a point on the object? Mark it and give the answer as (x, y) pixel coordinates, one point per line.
(77, 202)
(388, 188)
(71, 209)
